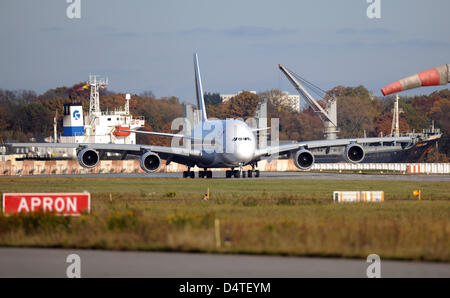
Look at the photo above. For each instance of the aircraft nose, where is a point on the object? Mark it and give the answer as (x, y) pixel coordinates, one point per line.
(245, 152)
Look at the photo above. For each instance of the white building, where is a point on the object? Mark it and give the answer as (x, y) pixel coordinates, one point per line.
(291, 100)
(227, 97)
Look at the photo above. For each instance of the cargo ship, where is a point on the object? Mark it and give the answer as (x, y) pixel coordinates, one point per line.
(95, 126)
(389, 152)
(384, 152)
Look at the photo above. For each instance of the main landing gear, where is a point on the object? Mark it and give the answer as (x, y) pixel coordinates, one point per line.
(252, 173)
(241, 173)
(205, 173)
(201, 174)
(188, 174)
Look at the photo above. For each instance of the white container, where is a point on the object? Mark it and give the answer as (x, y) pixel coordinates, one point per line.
(372, 196)
(346, 196)
(358, 196)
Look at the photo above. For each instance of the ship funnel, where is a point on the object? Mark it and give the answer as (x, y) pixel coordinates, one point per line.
(432, 77)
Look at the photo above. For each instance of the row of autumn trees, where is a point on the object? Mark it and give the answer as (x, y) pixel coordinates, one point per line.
(25, 114)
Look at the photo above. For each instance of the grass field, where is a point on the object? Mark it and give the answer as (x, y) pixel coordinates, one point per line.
(270, 216)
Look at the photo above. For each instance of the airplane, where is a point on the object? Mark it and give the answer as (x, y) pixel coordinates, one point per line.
(216, 144)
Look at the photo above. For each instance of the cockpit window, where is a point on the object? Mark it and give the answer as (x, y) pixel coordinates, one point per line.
(241, 139)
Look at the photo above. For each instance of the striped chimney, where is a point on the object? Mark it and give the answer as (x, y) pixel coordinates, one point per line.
(432, 77)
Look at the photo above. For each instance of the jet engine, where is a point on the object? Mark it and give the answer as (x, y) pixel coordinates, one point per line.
(88, 158)
(150, 162)
(303, 159)
(354, 153)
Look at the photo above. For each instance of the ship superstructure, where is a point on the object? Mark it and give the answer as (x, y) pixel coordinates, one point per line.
(95, 126)
(99, 126)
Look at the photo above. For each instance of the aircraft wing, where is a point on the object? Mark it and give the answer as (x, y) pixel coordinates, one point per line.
(260, 129)
(163, 134)
(137, 149)
(285, 148)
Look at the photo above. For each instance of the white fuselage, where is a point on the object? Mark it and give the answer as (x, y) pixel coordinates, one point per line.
(224, 143)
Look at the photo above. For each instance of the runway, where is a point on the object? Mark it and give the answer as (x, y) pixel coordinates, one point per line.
(29, 262)
(278, 175)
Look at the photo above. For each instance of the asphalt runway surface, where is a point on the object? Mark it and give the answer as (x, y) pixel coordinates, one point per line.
(37, 262)
(278, 175)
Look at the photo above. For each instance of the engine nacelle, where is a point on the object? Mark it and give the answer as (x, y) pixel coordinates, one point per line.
(303, 159)
(150, 162)
(354, 153)
(88, 158)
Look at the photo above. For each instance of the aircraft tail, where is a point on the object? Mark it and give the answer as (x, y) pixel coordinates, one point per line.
(199, 90)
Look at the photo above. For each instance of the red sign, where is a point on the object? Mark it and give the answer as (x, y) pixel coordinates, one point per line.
(59, 203)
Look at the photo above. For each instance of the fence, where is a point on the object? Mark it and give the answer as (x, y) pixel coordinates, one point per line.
(58, 167)
(419, 168)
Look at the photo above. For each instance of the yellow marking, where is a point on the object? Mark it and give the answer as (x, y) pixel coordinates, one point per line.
(217, 228)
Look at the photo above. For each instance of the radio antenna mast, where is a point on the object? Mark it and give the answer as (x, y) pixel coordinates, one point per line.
(94, 100)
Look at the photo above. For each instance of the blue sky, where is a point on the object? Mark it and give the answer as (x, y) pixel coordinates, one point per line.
(148, 45)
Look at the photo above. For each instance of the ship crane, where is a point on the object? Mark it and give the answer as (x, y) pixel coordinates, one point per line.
(327, 115)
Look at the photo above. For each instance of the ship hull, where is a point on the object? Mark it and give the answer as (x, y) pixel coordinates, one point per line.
(389, 155)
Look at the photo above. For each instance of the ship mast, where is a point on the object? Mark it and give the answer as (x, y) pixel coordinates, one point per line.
(55, 121)
(94, 100)
(127, 103)
(395, 130)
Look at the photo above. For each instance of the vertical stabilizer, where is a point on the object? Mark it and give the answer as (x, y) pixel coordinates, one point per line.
(199, 90)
